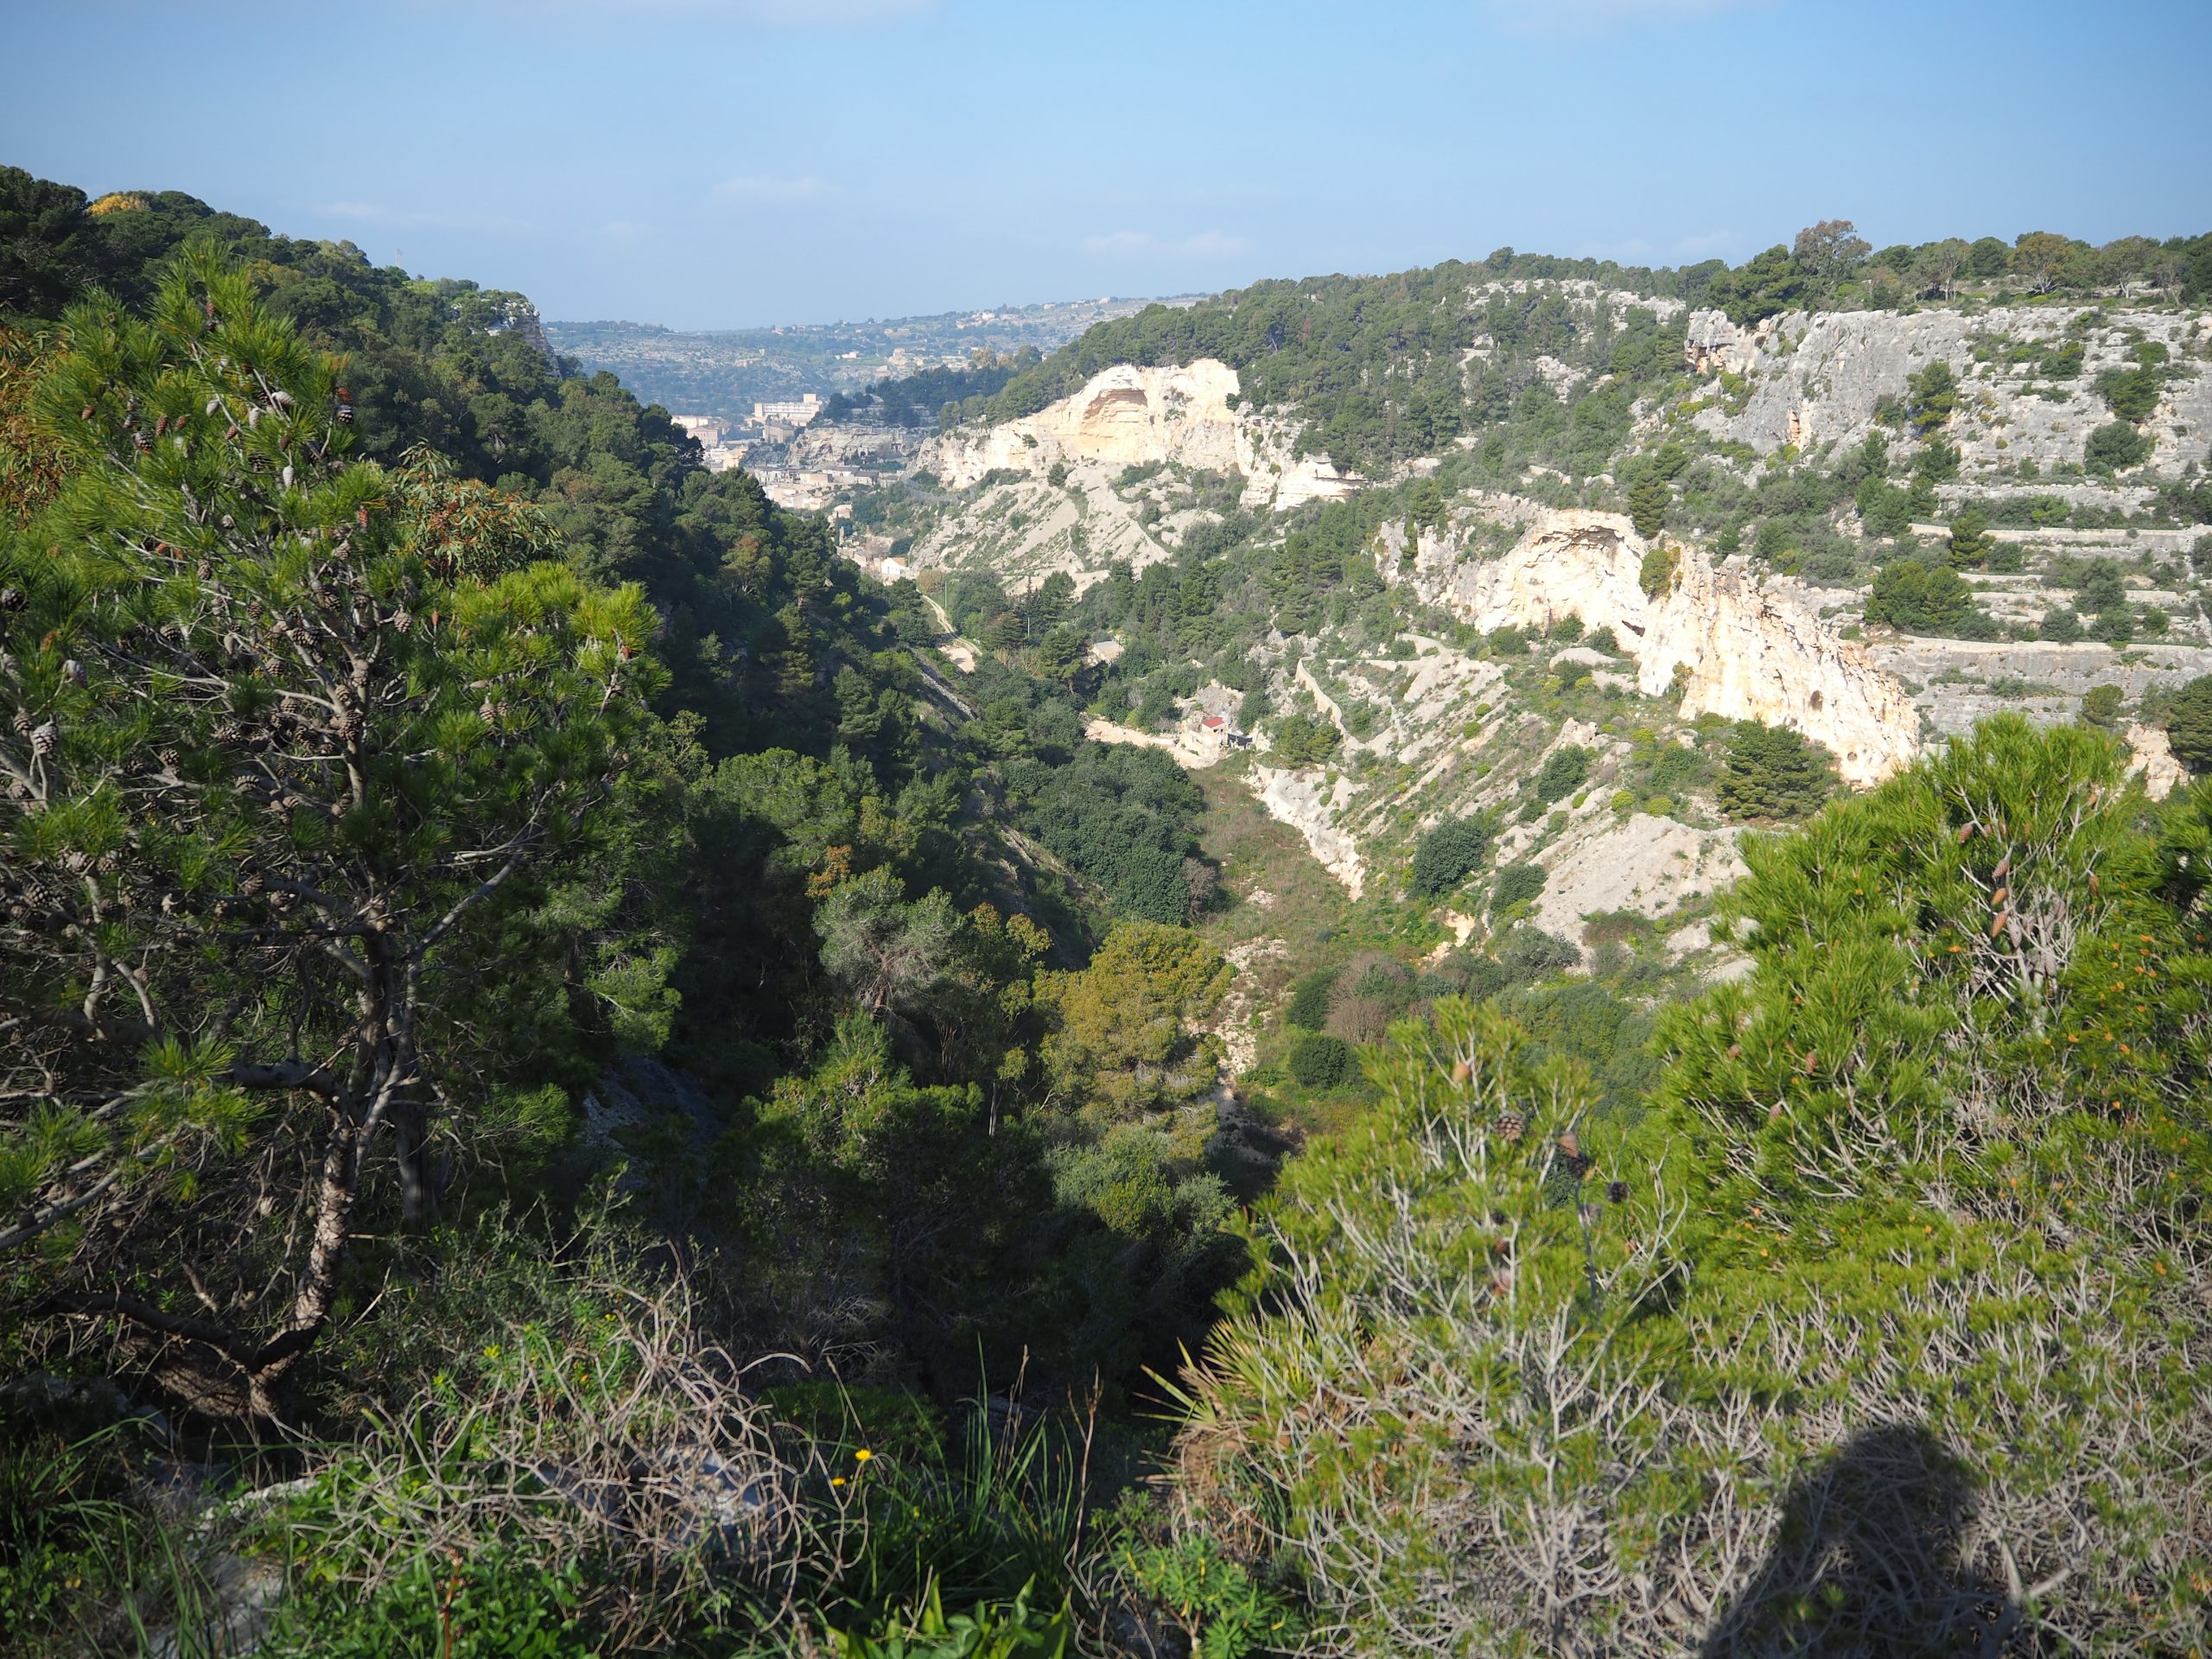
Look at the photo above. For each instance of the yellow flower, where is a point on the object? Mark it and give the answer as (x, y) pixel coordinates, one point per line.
(836, 1480)
(862, 1455)
(492, 1352)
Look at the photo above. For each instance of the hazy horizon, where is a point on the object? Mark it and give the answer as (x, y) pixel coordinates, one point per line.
(735, 164)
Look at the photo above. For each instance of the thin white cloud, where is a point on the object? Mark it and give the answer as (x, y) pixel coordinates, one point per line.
(1206, 244)
(1585, 18)
(754, 187)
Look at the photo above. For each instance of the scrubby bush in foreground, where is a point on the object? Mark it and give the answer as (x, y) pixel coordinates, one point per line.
(1887, 1329)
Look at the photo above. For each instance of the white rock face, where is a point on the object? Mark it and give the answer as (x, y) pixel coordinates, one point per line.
(2154, 761)
(1298, 799)
(1134, 417)
(1641, 863)
(1811, 379)
(1738, 650)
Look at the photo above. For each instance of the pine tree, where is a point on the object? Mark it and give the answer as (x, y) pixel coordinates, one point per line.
(1648, 501)
(286, 739)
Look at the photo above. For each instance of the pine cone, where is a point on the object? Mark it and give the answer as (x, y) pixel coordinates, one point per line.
(45, 737)
(1512, 1126)
(1616, 1191)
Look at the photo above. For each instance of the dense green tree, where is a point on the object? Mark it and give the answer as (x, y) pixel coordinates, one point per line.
(45, 252)
(1828, 252)
(1125, 1036)
(1884, 508)
(1319, 1061)
(1302, 740)
(1774, 773)
(1448, 854)
(1931, 398)
(284, 752)
(1120, 816)
(1971, 544)
(1989, 258)
(1921, 598)
(2115, 446)
(2131, 394)
(2100, 705)
(1770, 282)
(1564, 771)
(1649, 499)
(2189, 723)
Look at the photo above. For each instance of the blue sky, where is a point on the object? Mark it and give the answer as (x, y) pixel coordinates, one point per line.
(724, 164)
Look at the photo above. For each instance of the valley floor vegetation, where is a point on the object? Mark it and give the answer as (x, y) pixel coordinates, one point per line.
(564, 1090)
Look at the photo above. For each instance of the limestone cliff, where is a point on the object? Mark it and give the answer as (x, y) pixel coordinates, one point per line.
(1130, 416)
(1733, 647)
(1807, 380)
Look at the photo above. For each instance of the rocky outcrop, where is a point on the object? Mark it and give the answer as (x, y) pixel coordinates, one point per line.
(1130, 416)
(1811, 379)
(1303, 800)
(1726, 644)
(522, 320)
(1648, 865)
(2154, 761)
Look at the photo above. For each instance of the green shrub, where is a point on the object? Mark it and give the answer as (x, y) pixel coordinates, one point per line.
(1566, 769)
(2115, 446)
(2062, 626)
(1898, 1265)
(1516, 884)
(1319, 1061)
(990, 1630)
(1884, 508)
(1309, 1003)
(1931, 396)
(494, 1604)
(1211, 1597)
(1448, 855)
(1529, 954)
(2131, 394)
(1302, 740)
(2100, 705)
(1919, 598)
